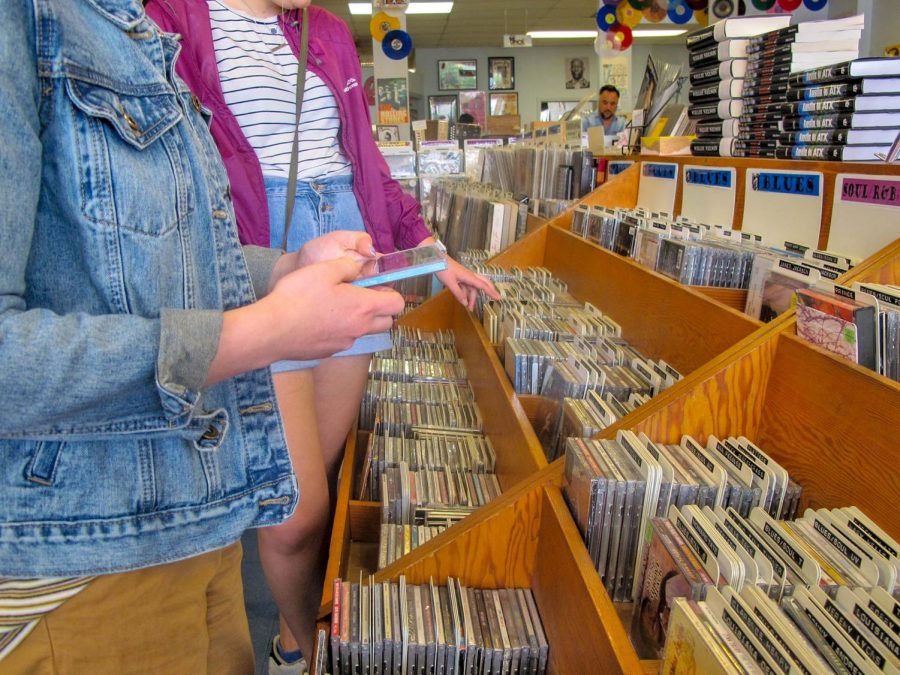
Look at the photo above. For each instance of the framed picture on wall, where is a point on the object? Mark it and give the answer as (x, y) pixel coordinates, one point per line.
(473, 102)
(504, 104)
(458, 74)
(443, 107)
(501, 72)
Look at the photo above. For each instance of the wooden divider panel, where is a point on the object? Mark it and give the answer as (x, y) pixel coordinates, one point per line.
(581, 623)
(834, 426)
(659, 317)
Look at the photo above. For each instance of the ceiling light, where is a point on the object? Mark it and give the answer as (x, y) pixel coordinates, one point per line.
(363, 8)
(538, 34)
(658, 32)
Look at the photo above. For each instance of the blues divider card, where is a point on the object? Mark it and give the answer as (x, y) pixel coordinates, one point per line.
(708, 194)
(784, 206)
(659, 182)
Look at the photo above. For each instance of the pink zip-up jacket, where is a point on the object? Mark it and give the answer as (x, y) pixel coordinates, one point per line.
(391, 216)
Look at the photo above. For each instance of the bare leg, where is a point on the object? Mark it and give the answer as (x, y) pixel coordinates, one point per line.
(340, 383)
(290, 552)
(318, 407)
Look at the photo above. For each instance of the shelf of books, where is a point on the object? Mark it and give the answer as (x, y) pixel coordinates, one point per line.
(830, 423)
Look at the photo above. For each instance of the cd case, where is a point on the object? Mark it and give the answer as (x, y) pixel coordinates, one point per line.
(398, 265)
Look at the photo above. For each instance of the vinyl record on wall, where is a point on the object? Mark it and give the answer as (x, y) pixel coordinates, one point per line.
(620, 37)
(381, 24)
(606, 17)
(789, 5)
(397, 44)
(679, 12)
(815, 5)
(657, 11)
(722, 9)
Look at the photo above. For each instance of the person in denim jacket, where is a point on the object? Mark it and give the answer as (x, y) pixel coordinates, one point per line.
(139, 433)
(240, 57)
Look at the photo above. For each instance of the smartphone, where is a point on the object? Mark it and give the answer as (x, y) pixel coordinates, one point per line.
(412, 262)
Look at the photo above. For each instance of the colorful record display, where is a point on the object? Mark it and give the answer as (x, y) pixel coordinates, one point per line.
(722, 9)
(619, 37)
(679, 12)
(382, 24)
(789, 5)
(657, 11)
(764, 5)
(815, 5)
(628, 15)
(702, 18)
(606, 17)
(397, 44)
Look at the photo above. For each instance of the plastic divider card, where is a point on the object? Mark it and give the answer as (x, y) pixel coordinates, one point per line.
(708, 194)
(865, 213)
(658, 184)
(784, 205)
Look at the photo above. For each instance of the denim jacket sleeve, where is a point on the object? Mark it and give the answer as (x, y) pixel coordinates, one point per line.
(72, 367)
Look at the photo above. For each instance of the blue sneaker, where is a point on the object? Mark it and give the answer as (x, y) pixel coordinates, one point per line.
(279, 666)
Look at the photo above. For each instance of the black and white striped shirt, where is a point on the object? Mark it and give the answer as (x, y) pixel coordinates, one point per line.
(258, 72)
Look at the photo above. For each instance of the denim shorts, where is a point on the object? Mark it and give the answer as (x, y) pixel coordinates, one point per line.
(321, 206)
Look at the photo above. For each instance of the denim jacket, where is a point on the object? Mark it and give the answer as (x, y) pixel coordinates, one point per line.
(119, 254)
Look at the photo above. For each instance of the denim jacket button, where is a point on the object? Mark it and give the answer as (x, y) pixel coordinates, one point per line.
(211, 433)
(131, 123)
(195, 102)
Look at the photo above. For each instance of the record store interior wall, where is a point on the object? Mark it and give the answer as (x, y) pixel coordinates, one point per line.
(540, 71)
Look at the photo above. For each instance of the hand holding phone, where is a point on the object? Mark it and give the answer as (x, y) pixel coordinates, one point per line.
(398, 265)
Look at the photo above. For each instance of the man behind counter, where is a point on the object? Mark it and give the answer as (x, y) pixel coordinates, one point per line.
(606, 116)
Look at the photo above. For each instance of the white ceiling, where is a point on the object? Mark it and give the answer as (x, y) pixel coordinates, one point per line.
(482, 23)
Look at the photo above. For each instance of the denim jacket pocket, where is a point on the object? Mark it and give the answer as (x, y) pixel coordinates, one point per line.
(42, 467)
(130, 132)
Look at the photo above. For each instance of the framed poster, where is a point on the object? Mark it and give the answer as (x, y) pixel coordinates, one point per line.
(473, 102)
(459, 74)
(504, 104)
(577, 74)
(443, 107)
(501, 73)
(393, 101)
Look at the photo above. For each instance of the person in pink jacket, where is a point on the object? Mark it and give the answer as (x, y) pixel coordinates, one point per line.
(239, 58)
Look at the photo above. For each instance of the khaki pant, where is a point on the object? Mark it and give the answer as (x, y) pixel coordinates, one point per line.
(184, 618)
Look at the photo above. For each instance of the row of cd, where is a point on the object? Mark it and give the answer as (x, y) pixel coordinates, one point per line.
(403, 419)
(462, 452)
(614, 488)
(433, 496)
(399, 370)
(813, 591)
(467, 215)
(746, 632)
(378, 391)
(539, 171)
(395, 541)
(430, 629)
